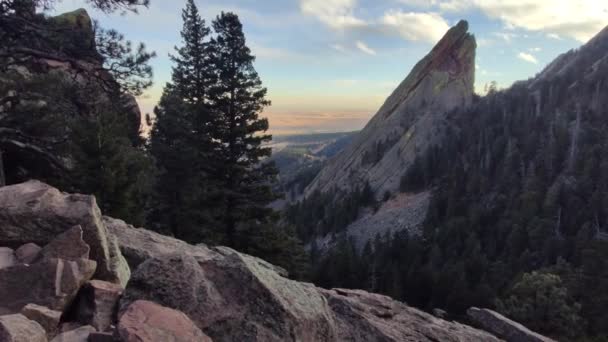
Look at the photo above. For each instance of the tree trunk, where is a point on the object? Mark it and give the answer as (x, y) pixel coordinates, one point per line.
(2, 176)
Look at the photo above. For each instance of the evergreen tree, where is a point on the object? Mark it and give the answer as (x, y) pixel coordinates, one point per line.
(237, 99)
(181, 139)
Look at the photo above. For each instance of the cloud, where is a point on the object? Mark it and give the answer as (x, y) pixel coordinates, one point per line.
(577, 19)
(554, 36)
(363, 47)
(535, 49)
(527, 57)
(415, 26)
(337, 14)
(338, 47)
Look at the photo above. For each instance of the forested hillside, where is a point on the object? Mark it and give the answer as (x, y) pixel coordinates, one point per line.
(519, 217)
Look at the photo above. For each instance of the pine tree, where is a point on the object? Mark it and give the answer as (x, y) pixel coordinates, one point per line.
(238, 97)
(181, 140)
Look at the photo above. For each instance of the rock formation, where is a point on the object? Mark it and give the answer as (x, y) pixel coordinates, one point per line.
(504, 327)
(190, 293)
(410, 121)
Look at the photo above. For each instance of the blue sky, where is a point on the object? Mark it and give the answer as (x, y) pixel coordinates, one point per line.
(329, 64)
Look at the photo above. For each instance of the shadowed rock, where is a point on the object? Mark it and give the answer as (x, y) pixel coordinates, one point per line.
(26, 254)
(7, 257)
(97, 304)
(80, 334)
(68, 246)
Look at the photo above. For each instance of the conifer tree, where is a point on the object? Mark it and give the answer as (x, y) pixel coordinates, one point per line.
(237, 98)
(181, 139)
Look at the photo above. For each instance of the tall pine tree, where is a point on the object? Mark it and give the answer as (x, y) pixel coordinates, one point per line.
(237, 99)
(181, 140)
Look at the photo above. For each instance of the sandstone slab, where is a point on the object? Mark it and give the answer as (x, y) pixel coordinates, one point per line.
(47, 318)
(145, 321)
(503, 327)
(80, 334)
(18, 328)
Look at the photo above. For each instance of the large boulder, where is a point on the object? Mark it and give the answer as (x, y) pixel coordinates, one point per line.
(51, 282)
(18, 328)
(363, 316)
(145, 321)
(503, 327)
(234, 298)
(36, 212)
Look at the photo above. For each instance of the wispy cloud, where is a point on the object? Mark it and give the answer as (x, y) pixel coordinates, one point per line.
(337, 14)
(415, 26)
(527, 57)
(363, 47)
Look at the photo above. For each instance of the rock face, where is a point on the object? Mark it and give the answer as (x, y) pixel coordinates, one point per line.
(80, 334)
(17, 328)
(410, 122)
(145, 321)
(503, 327)
(36, 212)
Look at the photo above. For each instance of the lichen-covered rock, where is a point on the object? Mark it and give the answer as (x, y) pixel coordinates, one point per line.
(18, 328)
(51, 282)
(47, 318)
(503, 327)
(363, 316)
(27, 253)
(145, 321)
(233, 298)
(69, 245)
(36, 212)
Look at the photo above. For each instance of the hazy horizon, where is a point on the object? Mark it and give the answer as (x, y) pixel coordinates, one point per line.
(349, 55)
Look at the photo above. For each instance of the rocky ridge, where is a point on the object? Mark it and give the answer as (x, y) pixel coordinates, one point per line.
(412, 119)
(176, 291)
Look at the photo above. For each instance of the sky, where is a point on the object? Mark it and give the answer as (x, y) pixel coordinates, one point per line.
(330, 64)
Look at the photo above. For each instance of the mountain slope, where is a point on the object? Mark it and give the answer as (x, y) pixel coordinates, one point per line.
(411, 120)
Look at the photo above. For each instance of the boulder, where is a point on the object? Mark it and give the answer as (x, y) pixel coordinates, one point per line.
(145, 321)
(138, 244)
(51, 282)
(233, 298)
(69, 245)
(363, 316)
(97, 304)
(503, 327)
(7, 257)
(36, 212)
(80, 334)
(47, 318)
(18, 328)
(28, 253)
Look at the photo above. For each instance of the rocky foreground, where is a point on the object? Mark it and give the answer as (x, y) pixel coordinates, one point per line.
(69, 274)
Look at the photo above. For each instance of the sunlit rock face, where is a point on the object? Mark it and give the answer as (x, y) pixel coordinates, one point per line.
(412, 120)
